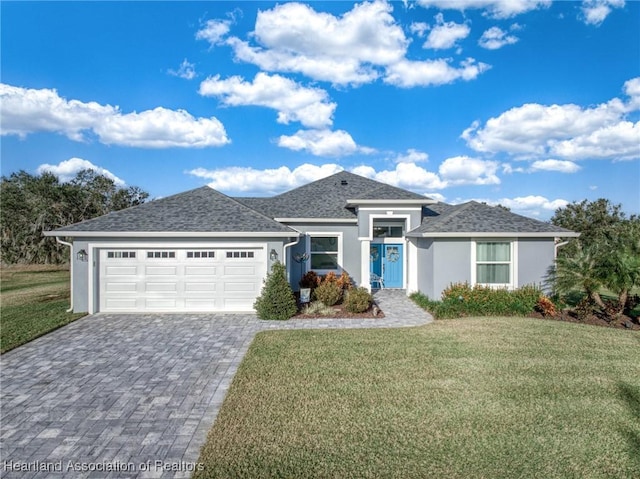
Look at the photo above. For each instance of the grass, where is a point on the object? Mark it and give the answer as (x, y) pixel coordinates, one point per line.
(34, 302)
(472, 398)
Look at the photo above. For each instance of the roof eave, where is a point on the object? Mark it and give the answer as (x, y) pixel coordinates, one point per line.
(359, 202)
(317, 220)
(172, 234)
(503, 234)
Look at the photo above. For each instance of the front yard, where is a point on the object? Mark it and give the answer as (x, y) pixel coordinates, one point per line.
(471, 398)
(34, 302)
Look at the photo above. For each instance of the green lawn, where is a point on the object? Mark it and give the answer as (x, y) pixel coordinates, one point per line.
(34, 301)
(472, 398)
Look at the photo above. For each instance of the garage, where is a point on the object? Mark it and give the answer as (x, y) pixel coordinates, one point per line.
(181, 279)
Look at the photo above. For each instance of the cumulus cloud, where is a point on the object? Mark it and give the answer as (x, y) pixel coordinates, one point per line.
(268, 181)
(561, 166)
(495, 38)
(407, 74)
(293, 102)
(446, 34)
(411, 156)
(358, 47)
(66, 170)
(214, 31)
(419, 28)
(568, 131)
(26, 111)
(492, 8)
(322, 143)
(186, 70)
(594, 12)
(463, 170)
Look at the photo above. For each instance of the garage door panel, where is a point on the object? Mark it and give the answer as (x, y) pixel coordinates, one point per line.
(161, 270)
(121, 287)
(161, 287)
(122, 270)
(200, 271)
(183, 282)
(197, 287)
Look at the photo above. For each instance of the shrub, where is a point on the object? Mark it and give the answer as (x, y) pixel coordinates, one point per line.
(358, 300)
(310, 280)
(329, 292)
(460, 300)
(344, 281)
(545, 306)
(276, 300)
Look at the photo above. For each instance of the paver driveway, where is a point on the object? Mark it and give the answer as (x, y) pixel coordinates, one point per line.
(133, 395)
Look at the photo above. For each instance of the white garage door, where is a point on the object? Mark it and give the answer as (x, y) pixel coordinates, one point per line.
(171, 279)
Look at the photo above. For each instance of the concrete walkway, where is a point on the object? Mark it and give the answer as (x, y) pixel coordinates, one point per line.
(115, 395)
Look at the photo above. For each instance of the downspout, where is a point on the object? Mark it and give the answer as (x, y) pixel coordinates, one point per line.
(556, 247)
(58, 240)
(284, 251)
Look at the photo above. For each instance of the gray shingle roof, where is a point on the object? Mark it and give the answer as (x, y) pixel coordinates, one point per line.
(203, 210)
(327, 198)
(474, 217)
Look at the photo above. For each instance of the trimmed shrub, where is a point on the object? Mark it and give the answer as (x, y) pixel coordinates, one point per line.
(460, 300)
(545, 306)
(344, 281)
(329, 292)
(358, 300)
(310, 280)
(276, 300)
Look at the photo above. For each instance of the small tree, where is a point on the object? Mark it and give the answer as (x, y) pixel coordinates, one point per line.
(276, 300)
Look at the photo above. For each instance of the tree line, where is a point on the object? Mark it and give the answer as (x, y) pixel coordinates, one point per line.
(32, 204)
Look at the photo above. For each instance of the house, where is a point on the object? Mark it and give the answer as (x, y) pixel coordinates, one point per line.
(204, 251)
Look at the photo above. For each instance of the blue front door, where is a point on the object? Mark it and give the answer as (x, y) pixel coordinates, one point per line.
(387, 262)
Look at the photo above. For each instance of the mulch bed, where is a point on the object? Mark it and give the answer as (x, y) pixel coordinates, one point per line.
(623, 322)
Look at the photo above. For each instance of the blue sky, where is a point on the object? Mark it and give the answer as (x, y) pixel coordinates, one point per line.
(531, 104)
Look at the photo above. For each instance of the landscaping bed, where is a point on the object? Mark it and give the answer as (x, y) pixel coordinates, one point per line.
(339, 311)
(623, 322)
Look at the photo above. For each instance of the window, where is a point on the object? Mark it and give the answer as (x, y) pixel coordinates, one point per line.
(324, 253)
(121, 254)
(388, 229)
(240, 254)
(161, 254)
(493, 263)
(201, 254)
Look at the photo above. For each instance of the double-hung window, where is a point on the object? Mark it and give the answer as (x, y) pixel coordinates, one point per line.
(494, 263)
(324, 252)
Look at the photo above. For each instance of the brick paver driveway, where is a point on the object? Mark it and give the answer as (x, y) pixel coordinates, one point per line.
(132, 395)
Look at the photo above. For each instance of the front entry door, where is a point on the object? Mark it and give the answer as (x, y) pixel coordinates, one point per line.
(387, 262)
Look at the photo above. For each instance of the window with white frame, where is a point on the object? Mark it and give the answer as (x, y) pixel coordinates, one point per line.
(161, 254)
(121, 254)
(388, 229)
(494, 263)
(324, 252)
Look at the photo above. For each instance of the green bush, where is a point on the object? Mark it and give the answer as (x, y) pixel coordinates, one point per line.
(276, 300)
(319, 308)
(329, 292)
(460, 300)
(358, 300)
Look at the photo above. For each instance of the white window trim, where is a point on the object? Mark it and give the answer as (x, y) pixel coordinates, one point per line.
(513, 270)
(311, 234)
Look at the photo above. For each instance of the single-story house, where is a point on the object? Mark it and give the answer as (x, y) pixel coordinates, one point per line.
(204, 251)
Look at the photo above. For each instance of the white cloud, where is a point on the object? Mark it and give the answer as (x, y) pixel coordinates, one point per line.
(568, 131)
(596, 11)
(463, 170)
(26, 111)
(412, 177)
(561, 166)
(322, 143)
(407, 74)
(419, 28)
(268, 181)
(495, 38)
(492, 8)
(445, 34)
(67, 170)
(293, 37)
(532, 205)
(214, 31)
(186, 70)
(293, 102)
(411, 156)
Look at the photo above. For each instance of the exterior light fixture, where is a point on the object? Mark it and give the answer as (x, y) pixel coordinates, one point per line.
(273, 256)
(82, 255)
